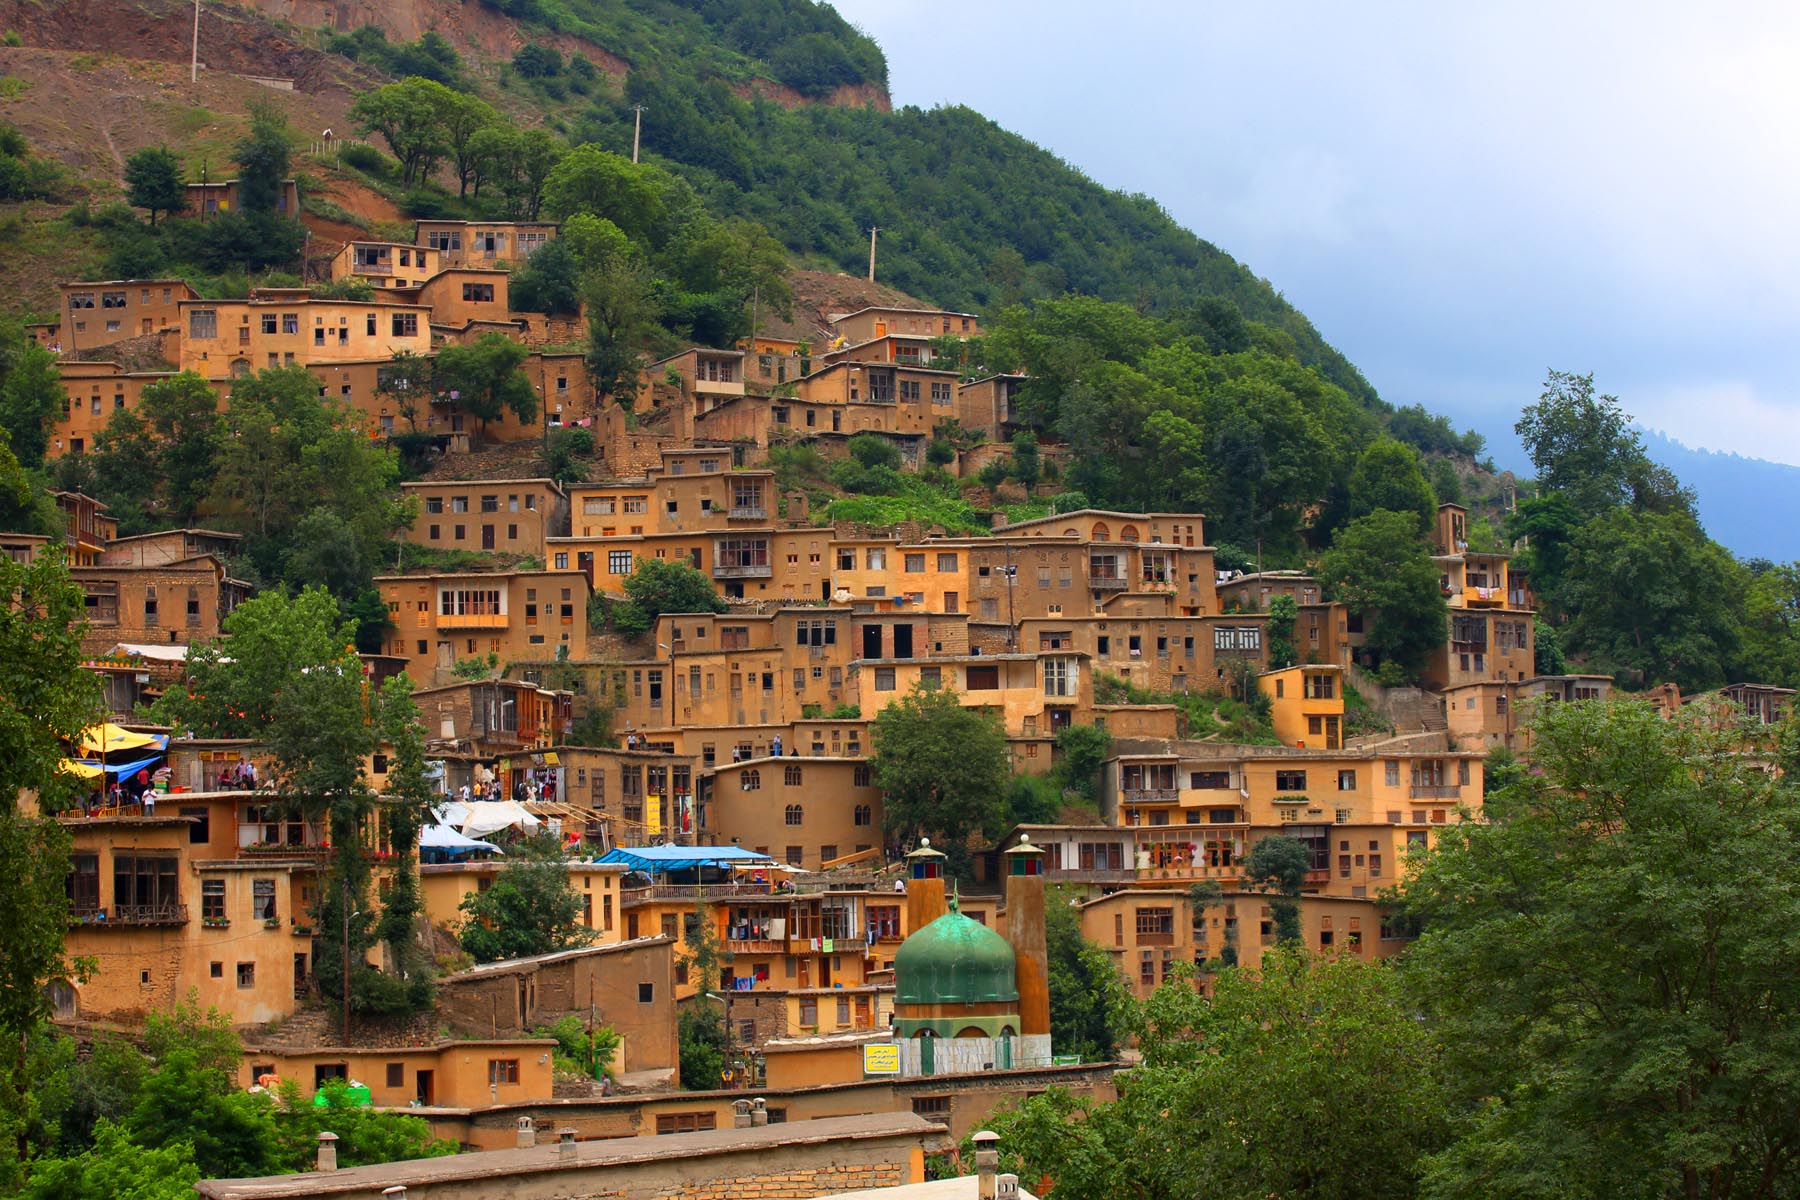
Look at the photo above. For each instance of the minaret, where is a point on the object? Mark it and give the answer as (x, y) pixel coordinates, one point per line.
(1025, 930)
(925, 887)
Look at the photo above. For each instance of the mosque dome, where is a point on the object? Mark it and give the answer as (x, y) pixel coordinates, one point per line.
(954, 960)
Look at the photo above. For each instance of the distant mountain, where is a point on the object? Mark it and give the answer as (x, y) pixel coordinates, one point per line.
(1749, 504)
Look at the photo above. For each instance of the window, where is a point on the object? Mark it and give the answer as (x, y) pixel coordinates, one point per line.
(688, 1122)
(478, 293)
(1391, 773)
(1229, 638)
(915, 564)
(793, 815)
(203, 323)
(982, 679)
(262, 899)
(884, 679)
(750, 780)
(791, 776)
(646, 993)
(268, 322)
(502, 1070)
(618, 562)
(1346, 781)
(212, 900)
(1060, 676)
(931, 1106)
(396, 1075)
(406, 324)
(1209, 780)
(246, 975)
(862, 775)
(1290, 781)
(864, 814)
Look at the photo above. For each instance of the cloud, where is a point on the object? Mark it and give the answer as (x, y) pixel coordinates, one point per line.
(1729, 415)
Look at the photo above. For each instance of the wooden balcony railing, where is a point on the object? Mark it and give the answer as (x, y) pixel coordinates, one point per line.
(131, 914)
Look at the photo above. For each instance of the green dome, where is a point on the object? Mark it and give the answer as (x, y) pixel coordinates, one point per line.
(954, 960)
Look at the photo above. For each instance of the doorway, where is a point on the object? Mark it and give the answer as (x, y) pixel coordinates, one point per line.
(427, 1088)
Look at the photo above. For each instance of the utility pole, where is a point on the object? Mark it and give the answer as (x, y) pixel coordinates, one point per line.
(637, 129)
(873, 230)
(194, 64)
(345, 980)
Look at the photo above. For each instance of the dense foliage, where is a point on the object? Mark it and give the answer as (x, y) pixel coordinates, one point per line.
(146, 1123)
(532, 908)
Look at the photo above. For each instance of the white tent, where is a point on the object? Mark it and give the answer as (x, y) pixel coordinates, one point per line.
(442, 837)
(491, 816)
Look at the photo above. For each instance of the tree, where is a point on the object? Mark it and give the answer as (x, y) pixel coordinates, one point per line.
(621, 307)
(1446, 482)
(153, 181)
(116, 1168)
(46, 700)
(411, 117)
(464, 117)
(1582, 445)
(405, 806)
(24, 507)
(563, 451)
(1027, 466)
(1279, 864)
(1380, 570)
(701, 1038)
(1088, 997)
(1770, 644)
(1309, 1079)
(262, 158)
(485, 379)
(1388, 475)
(180, 416)
(531, 909)
(31, 396)
(1283, 612)
(1656, 1057)
(286, 452)
(595, 181)
(547, 282)
(1081, 752)
(665, 585)
(942, 768)
(1652, 595)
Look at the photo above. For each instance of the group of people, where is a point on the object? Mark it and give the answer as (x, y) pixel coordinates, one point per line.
(136, 791)
(240, 774)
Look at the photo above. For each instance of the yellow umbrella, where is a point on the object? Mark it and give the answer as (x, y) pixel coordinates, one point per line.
(104, 739)
(81, 770)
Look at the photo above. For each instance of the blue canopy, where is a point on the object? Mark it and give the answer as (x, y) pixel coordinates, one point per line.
(123, 770)
(658, 860)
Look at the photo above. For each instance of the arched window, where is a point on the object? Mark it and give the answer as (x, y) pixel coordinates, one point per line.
(239, 368)
(751, 780)
(1128, 534)
(1100, 533)
(864, 814)
(791, 776)
(794, 814)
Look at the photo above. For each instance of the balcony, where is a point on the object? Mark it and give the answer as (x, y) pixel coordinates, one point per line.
(1151, 795)
(748, 512)
(755, 946)
(1091, 875)
(1177, 872)
(1156, 939)
(742, 570)
(278, 850)
(631, 897)
(472, 620)
(718, 387)
(1435, 791)
(1107, 583)
(131, 914)
(1483, 597)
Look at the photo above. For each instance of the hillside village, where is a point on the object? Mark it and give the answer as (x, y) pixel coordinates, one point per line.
(741, 737)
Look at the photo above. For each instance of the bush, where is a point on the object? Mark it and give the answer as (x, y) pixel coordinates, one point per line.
(367, 159)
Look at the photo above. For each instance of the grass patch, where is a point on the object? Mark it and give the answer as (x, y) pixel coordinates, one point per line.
(1205, 716)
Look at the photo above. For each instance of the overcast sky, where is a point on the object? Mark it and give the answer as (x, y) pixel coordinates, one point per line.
(1459, 196)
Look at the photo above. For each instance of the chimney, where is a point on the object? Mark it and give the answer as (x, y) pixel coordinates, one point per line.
(1006, 1187)
(740, 1114)
(759, 1112)
(327, 1151)
(397, 1192)
(527, 1135)
(987, 1161)
(565, 1144)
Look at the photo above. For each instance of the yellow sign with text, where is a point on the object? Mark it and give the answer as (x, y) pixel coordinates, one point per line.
(882, 1058)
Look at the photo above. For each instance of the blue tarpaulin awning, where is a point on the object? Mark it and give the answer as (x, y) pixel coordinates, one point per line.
(658, 860)
(123, 770)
